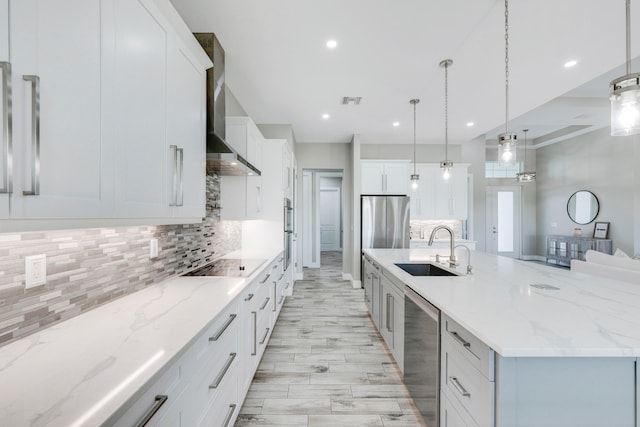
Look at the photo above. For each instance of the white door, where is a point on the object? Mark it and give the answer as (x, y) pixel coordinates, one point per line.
(329, 219)
(503, 220)
(307, 222)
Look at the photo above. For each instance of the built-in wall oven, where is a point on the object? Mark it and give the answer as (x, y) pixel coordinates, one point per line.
(288, 231)
(422, 355)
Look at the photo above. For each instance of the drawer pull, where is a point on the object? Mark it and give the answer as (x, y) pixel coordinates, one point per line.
(281, 299)
(248, 298)
(287, 286)
(456, 384)
(460, 340)
(275, 266)
(264, 338)
(35, 135)
(281, 276)
(264, 304)
(222, 373)
(227, 420)
(281, 259)
(157, 404)
(223, 328)
(265, 279)
(254, 327)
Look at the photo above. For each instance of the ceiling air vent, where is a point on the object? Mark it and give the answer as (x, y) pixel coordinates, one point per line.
(354, 100)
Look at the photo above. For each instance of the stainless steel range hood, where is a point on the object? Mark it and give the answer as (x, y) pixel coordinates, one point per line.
(221, 157)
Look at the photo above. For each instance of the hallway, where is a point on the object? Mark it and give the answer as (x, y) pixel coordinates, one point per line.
(326, 365)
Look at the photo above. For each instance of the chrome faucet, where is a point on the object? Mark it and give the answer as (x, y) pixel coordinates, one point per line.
(469, 268)
(452, 257)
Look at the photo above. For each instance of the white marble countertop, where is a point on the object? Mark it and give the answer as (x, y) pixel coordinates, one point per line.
(587, 316)
(81, 371)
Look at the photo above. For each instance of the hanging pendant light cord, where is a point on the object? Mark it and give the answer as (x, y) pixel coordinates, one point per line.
(506, 62)
(446, 111)
(414, 138)
(525, 148)
(628, 37)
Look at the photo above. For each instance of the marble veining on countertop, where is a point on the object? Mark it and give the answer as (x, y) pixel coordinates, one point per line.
(586, 316)
(81, 371)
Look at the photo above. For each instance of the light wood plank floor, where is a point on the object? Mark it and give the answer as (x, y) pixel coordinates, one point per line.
(326, 364)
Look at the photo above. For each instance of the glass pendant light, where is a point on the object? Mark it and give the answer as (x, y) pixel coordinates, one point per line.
(446, 164)
(414, 176)
(506, 140)
(525, 176)
(625, 94)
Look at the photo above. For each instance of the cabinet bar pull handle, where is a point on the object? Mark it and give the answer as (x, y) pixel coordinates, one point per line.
(281, 259)
(388, 296)
(264, 304)
(391, 314)
(460, 340)
(265, 279)
(7, 128)
(35, 135)
(281, 276)
(264, 338)
(227, 420)
(459, 387)
(180, 189)
(174, 178)
(222, 373)
(281, 299)
(157, 404)
(223, 328)
(287, 286)
(254, 327)
(248, 298)
(275, 292)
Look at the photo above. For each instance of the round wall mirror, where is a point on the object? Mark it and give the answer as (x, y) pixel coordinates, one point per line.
(583, 207)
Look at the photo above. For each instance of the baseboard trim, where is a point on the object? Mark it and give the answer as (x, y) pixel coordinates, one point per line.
(347, 276)
(299, 276)
(533, 258)
(357, 284)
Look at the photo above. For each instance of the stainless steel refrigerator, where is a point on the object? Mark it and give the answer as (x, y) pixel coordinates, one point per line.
(385, 222)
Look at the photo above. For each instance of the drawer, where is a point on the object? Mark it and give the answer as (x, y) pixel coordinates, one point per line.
(170, 385)
(213, 381)
(464, 383)
(452, 414)
(224, 409)
(221, 336)
(477, 353)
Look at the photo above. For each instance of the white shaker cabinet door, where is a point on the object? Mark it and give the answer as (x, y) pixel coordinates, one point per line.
(185, 130)
(396, 178)
(138, 107)
(61, 162)
(372, 181)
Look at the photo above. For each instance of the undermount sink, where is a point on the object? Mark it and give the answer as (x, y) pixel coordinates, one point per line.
(425, 269)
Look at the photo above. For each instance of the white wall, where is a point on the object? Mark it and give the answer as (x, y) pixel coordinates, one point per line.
(279, 132)
(473, 152)
(425, 153)
(605, 165)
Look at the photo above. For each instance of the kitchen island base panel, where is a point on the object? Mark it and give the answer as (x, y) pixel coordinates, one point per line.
(565, 392)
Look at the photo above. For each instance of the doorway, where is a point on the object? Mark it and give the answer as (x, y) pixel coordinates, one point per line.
(322, 216)
(504, 220)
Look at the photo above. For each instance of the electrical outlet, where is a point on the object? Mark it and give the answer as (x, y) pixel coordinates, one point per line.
(153, 248)
(35, 270)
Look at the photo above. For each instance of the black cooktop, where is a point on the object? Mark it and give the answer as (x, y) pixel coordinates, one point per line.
(228, 267)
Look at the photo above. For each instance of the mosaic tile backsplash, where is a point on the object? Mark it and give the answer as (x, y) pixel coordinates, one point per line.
(89, 267)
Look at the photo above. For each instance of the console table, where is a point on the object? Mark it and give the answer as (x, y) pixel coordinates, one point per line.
(562, 249)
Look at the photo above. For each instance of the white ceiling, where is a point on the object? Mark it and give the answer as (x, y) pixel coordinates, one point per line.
(278, 67)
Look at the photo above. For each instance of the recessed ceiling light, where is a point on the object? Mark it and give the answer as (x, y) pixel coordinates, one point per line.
(332, 44)
(250, 173)
(233, 163)
(470, 124)
(396, 124)
(570, 64)
(325, 116)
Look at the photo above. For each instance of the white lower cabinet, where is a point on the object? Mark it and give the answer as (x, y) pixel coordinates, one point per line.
(452, 414)
(208, 383)
(385, 300)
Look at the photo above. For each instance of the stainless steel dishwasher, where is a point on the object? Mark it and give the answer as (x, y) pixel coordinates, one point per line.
(422, 355)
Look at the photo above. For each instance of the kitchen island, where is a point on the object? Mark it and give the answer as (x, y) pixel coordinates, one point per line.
(562, 352)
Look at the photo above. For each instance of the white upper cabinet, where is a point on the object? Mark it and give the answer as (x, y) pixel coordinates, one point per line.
(108, 111)
(437, 198)
(384, 177)
(244, 136)
(139, 106)
(158, 105)
(61, 162)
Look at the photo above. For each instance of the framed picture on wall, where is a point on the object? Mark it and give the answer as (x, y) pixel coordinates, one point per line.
(601, 230)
